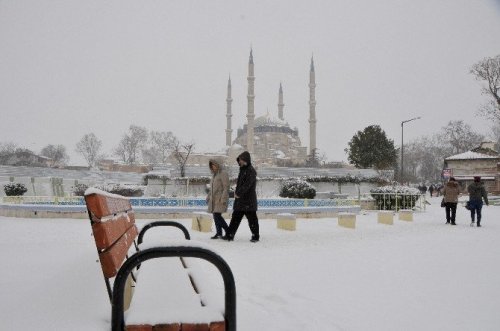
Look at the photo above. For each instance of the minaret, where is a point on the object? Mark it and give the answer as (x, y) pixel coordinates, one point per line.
(312, 110)
(251, 98)
(229, 100)
(280, 104)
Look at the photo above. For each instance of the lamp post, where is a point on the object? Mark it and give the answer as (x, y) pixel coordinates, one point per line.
(402, 127)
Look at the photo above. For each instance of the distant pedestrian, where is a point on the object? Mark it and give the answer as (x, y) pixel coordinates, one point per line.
(431, 189)
(245, 199)
(477, 193)
(451, 192)
(218, 196)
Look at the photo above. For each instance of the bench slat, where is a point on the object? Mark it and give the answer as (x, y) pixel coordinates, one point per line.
(112, 259)
(101, 205)
(108, 232)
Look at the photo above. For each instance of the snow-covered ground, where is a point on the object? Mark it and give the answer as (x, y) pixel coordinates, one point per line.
(421, 275)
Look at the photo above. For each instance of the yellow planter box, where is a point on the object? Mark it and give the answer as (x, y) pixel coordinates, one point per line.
(201, 222)
(286, 221)
(347, 220)
(406, 215)
(385, 217)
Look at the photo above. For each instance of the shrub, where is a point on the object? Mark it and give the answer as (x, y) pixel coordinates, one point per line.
(14, 189)
(79, 189)
(395, 197)
(296, 188)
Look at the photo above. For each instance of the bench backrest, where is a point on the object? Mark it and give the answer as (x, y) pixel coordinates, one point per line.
(114, 229)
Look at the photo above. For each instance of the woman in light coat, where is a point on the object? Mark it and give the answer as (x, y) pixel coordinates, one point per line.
(451, 192)
(218, 196)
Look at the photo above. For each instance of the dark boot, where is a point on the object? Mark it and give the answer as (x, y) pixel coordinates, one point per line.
(217, 236)
(254, 239)
(228, 237)
(453, 223)
(478, 223)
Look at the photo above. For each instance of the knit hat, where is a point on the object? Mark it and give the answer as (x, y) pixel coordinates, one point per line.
(477, 178)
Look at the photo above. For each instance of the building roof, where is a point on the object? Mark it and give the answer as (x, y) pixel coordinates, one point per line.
(470, 155)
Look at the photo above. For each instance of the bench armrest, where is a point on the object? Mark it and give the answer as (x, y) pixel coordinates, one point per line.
(162, 223)
(117, 316)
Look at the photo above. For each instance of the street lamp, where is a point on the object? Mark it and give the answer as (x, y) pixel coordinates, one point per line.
(402, 123)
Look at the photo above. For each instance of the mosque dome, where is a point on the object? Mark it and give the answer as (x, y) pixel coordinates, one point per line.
(267, 120)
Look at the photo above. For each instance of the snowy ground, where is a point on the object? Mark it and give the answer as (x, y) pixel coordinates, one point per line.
(422, 275)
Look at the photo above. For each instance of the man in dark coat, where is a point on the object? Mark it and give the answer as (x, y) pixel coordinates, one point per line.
(245, 199)
(477, 193)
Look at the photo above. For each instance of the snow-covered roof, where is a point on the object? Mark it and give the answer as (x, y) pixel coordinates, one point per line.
(470, 155)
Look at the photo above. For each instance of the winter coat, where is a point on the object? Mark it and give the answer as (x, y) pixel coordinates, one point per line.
(477, 191)
(451, 191)
(245, 186)
(218, 195)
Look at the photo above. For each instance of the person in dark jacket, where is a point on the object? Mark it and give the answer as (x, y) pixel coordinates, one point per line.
(245, 199)
(218, 196)
(451, 191)
(477, 193)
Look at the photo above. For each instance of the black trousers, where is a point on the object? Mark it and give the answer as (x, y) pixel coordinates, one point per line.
(451, 211)
(220, 223)
(253, 222)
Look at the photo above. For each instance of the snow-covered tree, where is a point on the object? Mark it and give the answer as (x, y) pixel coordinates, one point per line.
(181, 152)
(488, 70)
(130, 146)
(161, 145)
(459, 137)
(89, 147)
(56, 153)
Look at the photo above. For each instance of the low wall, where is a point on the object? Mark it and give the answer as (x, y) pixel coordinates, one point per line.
(80, 211)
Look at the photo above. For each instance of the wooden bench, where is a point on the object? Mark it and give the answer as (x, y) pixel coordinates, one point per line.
(168, 296)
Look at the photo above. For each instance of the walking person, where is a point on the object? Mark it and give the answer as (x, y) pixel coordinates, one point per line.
(245, 199)
(477, 193)
(451, 192)
(218, 196)
(431, 189)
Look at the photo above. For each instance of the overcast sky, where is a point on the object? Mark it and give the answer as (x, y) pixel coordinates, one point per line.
(68, 67)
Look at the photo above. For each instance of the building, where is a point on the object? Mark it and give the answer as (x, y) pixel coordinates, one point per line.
(270, 139)
(482, 161)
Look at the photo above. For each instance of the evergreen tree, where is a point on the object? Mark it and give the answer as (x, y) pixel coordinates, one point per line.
(371, 148)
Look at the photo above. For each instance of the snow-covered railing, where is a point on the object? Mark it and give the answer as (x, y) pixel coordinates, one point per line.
(181, 202)
(397, 201)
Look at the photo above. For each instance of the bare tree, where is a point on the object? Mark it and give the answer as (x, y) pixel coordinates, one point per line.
(161, 146)
(460, 137)
(129, 147)
(89, 147)
(488, 70)
(56, 153)
(181, 154)
(495, 134)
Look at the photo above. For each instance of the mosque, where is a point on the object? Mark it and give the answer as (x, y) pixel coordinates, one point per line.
(271, 141)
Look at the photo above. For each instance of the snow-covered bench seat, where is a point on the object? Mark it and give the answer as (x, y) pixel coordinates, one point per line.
(167, 280)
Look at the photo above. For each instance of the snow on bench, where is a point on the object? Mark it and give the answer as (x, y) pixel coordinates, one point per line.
(172, 293)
